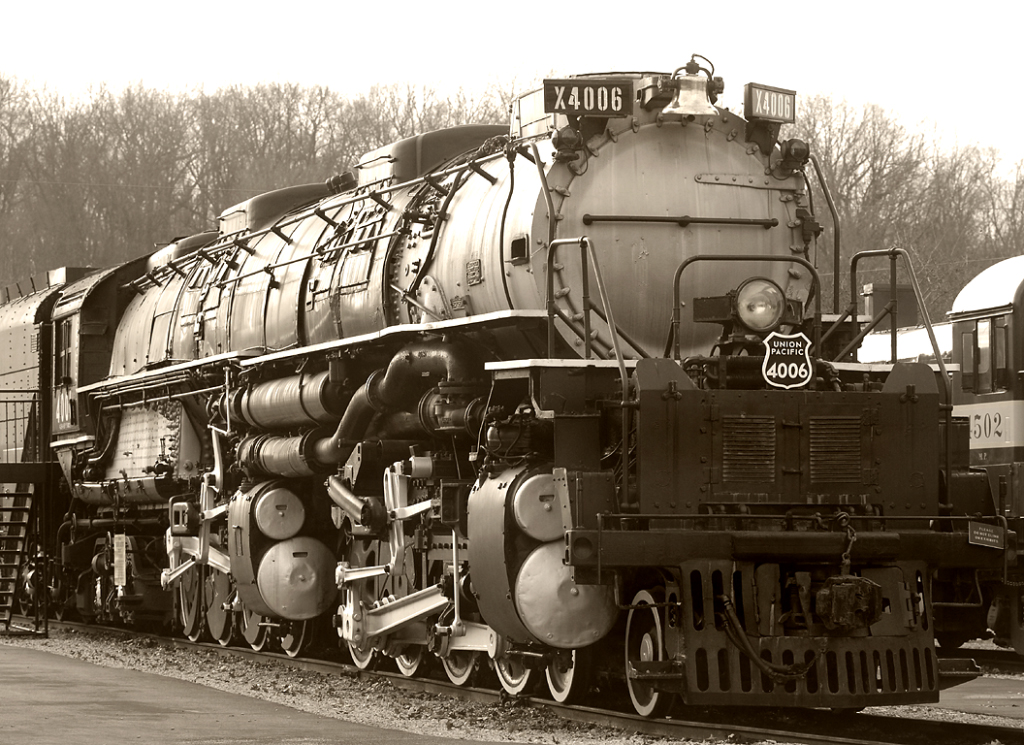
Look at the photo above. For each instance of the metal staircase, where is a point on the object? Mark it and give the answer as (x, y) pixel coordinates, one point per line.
(15, 512)
(28, 476)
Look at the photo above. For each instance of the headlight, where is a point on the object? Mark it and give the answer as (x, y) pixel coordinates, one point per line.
(760, 304)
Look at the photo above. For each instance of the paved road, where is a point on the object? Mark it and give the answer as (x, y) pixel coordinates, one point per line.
(1000, 697)
(47, 699)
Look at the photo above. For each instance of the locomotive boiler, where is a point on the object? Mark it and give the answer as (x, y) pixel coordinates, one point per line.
(551, 399)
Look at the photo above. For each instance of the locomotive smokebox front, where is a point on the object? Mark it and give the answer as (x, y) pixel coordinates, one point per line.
(648, 186)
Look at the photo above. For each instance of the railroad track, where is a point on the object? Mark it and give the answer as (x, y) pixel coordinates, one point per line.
(731, 724)
(990, 660)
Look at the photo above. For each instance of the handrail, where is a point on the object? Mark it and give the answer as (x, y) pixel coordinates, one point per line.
(836, 232)
(316, 253)
(893, 254)
(360, 194)
(684, 221)
(947, 383)
(587, 248)
(17, 409)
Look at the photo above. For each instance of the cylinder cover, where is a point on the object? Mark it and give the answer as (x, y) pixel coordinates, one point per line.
(536, 509)
(296, 578)
(555, 609)
(279, 513)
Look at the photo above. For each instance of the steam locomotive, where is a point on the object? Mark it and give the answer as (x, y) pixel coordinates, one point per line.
(553, 399)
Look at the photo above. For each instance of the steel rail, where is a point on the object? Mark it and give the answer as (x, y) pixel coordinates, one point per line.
(729, 724)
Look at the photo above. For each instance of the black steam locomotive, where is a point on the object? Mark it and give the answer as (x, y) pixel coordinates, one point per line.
(551, 399)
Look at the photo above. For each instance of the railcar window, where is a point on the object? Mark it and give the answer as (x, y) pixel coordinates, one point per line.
(62, 345)
(986, 355)
(1000, 354)
(983, 368)
(967, 357)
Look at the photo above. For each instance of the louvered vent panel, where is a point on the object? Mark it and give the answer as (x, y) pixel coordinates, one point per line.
(836, 449)
(748, 450)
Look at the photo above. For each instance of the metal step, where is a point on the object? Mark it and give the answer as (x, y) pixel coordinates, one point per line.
(16, 501)
(15, 517)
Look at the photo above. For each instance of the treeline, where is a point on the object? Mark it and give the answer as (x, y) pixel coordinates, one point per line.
(954, 208)
(95, 181)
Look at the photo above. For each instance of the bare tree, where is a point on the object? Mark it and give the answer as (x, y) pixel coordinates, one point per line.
(1004, 217)
(897, 188)
(14, 159)
(145, 198)
(68, 150)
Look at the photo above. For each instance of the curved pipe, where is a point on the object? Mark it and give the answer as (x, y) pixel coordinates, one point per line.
(399, 386)
(398, 389)
(96, 456)
(354, 423)
(369, 513)
(778, 673)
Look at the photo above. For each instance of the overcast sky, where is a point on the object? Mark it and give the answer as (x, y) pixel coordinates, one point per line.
(950, 67)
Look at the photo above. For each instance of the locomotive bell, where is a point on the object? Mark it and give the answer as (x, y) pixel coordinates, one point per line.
(690, 98)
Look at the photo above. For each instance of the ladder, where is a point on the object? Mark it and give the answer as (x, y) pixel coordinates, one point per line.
(15, 509)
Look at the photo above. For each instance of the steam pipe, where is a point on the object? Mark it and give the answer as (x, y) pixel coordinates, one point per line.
(397, 390)
(369, 513)
(280, 456)
(398, 386)
(354, 423)
(298, 400)
(98, 455)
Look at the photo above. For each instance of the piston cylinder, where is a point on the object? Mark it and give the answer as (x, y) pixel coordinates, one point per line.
(277, 456)
(296, 401)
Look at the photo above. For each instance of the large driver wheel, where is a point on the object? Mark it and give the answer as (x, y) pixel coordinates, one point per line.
(295, 637)
(459, 666)
(253, 629)
(217, 590)
(645, 642)
(569, 674)
(25, 593)
(364, 659)
(513, 674)
(190, 602)
(62, 601)
(411, 659)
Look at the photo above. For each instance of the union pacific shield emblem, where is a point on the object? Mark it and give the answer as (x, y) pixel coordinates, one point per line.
(787, 360)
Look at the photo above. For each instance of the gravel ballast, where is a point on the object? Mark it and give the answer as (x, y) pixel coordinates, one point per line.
(346, 696)
(342, 696)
